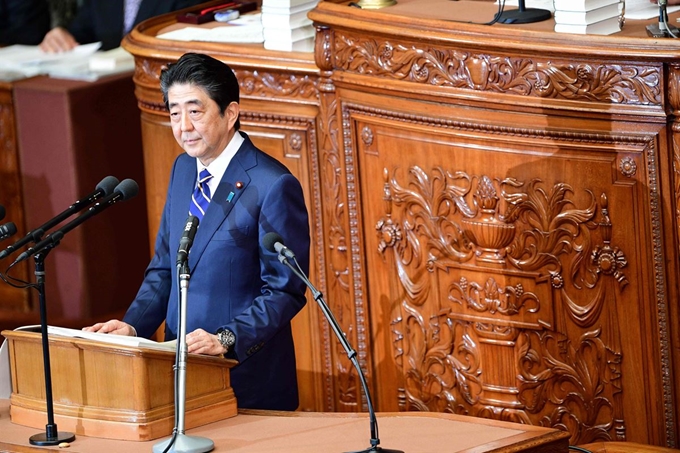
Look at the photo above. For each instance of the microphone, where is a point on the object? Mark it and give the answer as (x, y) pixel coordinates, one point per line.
(187, 239)
(274, 243)
(2, 212)
(104, 188)
(123, 191)
(7, 230)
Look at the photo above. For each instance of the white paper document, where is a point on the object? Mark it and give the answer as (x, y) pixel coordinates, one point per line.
(246, 29)
(19, 61)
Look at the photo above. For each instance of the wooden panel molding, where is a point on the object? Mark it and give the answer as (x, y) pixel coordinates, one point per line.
(494, 210)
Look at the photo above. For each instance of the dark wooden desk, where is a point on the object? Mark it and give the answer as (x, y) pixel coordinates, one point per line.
(260, 432)
(69, 136)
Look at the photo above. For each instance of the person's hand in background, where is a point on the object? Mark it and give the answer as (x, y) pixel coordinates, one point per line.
(58, 40)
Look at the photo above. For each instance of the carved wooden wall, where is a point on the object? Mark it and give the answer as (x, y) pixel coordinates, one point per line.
(494, 215)
(507, 216)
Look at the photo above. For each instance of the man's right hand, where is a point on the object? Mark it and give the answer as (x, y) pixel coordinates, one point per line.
(58, 40)
(114, 327)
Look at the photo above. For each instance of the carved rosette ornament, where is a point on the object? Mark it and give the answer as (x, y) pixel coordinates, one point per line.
(295, 142)
(628, 167)
(492, 268)
(367, 136)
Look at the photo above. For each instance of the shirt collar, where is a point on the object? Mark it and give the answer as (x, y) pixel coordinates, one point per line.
(218, 166)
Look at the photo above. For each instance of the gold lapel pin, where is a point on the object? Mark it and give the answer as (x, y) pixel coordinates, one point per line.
(239, 185)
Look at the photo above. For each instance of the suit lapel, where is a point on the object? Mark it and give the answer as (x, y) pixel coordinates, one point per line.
(225, 198)
(182, 188)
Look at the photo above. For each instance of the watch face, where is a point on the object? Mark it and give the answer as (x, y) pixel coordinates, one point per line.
(227, 338)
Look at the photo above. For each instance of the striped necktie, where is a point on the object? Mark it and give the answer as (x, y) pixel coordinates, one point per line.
(200, 199)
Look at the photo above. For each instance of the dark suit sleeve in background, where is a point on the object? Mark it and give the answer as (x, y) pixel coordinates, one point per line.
(23, 21)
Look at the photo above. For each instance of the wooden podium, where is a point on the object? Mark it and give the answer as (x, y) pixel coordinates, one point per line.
(112, 391)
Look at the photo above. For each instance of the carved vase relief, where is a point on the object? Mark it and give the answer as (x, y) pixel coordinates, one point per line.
(520, 283)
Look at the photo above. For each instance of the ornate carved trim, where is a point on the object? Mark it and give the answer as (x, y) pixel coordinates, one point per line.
(268, 85)
(334, 219)
(661, 299)
(355, 249)
(608, 83)
(608, 138)
(323, 48)
(254, 84)
(674, 87)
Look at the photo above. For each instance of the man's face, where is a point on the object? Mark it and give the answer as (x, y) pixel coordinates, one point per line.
(197, 124)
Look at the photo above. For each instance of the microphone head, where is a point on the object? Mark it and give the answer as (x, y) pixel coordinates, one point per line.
(127, 188)
(270, 239)
(107, 185)
(7, 230)
(190, 227)
(2, 212)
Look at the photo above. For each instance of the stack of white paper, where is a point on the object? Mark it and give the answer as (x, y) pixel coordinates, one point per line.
(596, 17)
(286, 25)
(635, 9)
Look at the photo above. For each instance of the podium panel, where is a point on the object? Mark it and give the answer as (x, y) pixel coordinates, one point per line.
(112, 391)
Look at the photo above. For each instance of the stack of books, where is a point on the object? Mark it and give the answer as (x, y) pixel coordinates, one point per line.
(596, 17)
(286, 25)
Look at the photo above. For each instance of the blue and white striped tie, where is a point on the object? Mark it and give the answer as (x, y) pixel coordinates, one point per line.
(201, 196)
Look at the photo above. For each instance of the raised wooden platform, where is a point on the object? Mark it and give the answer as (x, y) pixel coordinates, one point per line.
(265, 431)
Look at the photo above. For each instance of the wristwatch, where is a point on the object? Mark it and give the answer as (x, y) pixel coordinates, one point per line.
(226, 338)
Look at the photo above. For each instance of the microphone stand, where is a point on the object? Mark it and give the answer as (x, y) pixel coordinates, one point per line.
(662, 29)
(351, 353)
(51, 436)
(179, 442)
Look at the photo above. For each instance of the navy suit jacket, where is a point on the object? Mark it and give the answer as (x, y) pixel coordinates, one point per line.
(102, 20)
(235, 283)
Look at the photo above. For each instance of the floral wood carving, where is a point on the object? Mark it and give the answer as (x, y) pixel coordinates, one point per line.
(539, 250)
(262, 84)
(455, 68)
(253, 83)
(572, 384)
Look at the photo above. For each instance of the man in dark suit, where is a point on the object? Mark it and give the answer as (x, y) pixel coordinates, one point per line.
(23, 21)
(105, 21)
(241, 299)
